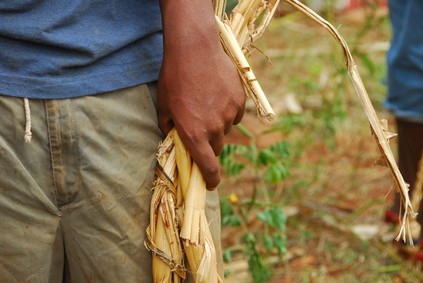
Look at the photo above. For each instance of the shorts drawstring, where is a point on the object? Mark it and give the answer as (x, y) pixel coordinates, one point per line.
(28, 132)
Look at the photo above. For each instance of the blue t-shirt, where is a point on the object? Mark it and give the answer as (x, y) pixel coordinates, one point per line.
(60, 49)
(405, 60)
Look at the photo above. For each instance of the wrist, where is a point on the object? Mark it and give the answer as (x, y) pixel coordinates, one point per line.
(189, 25)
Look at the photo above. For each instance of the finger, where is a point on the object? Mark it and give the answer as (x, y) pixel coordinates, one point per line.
(204, 156)
(239, 115)
(217, 143)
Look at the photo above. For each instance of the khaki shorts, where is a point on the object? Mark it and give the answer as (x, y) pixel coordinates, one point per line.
(74, 202)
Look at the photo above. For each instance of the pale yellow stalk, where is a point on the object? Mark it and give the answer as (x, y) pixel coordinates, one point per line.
(207, 271)
(380, 133)
(219, 7)
(241, 13)
(199, 248)
(162, 233)
(268, 15)
(161, 271)
(183, 162)
(253, 88)
(194, 208)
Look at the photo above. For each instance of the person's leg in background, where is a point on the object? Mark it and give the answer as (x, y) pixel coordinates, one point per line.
(410, 148)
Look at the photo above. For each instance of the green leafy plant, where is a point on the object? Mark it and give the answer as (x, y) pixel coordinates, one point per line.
(260, 209)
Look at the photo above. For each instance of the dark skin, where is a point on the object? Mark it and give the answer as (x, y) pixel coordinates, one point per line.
(199, 89)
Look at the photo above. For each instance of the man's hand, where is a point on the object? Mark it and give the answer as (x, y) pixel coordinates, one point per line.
(199, 89)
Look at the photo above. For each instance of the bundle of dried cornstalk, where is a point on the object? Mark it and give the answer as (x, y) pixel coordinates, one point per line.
(178, 225)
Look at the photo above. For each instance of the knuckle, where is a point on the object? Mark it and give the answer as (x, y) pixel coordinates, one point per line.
(217, 149)
(195, 135)
(213, 183)
(228, 128)
(215, 130)
(212, 171)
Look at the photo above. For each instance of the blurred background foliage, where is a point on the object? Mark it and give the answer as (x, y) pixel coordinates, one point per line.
(302, 199)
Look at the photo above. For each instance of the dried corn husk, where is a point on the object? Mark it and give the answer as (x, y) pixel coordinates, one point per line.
(237, 33)
(163, 233)
(194, 229)
(178, 225)
(379, 128)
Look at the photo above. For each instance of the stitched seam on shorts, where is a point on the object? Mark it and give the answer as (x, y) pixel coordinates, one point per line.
(48, 121)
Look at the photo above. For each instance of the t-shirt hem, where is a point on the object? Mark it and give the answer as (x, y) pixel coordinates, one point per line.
(69, 87)
(404, 114)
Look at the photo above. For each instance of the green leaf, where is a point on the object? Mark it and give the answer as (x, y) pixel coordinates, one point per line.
(232, 220)
(274, 217)
(280, 149)
(266, 156)
(232, 167)
(225, 207)
(227, 255)
(228, 217)
(276, 173)
(259, 270)
(227, 159)
(279, 242)
(268, 242)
